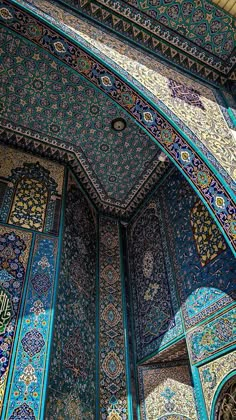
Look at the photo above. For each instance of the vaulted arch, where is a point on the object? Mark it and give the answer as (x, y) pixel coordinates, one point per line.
(202, 170)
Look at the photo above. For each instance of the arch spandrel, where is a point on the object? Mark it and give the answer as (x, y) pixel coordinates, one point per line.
(191, 155)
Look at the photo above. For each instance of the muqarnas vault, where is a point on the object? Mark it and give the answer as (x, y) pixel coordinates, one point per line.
(117, 211)
(101, 319)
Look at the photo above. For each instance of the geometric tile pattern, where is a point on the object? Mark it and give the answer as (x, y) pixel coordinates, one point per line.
(9, 137)
(113, 398)
(142, 111)
(14, 252)
(152, 77)
(29, 369)
(55, 101)
(172, 30)
(202, 23)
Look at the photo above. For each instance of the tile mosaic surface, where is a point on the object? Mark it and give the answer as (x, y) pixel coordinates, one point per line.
(184, 154)
(31, 197)
(163, 247)
(146, 23)
(14, 253)
(29, 206)
(51, 99)
(200, 22)
(10, 159)
(156, 311)
(71, 389)
(29, 368)
(112, 358)
(206, 123)
(203, 289)
(175, 352)
(208, 238)
(166, 392)
(211, 375)
(209, 338)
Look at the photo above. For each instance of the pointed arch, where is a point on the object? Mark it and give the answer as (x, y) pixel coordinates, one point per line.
(223, 387)
(188, 157)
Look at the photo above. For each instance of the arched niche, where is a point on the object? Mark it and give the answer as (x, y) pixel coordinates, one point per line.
(31, 199)
(193, 162)
(224, 407)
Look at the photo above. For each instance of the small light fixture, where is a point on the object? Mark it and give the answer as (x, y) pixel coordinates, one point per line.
(162, 157)
(118, 124)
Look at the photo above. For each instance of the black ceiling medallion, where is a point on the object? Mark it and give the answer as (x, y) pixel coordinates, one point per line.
(118, 124)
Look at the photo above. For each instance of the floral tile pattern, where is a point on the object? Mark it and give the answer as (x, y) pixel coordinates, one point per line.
(212, 373)
(71, 389)
(166, 392)
(156, 313)
(201, 22)
(51, 99)
(29, 370)
(14, 253)
(171, 30)
(209, 240)
(31, 197)
(107, 81)
(204, 125)
(163, 258)
(112, 358)
(203, 289)
(209, 338)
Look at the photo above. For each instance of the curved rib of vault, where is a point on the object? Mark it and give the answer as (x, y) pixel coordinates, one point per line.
(211, 186)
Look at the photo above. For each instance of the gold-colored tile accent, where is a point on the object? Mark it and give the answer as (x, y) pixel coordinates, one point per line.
(228, 5)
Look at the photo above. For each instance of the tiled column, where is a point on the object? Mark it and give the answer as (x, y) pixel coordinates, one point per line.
(113, 365)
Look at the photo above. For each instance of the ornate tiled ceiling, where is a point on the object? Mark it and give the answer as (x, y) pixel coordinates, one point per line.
(199, 21)
(196, 35)
(50, 102)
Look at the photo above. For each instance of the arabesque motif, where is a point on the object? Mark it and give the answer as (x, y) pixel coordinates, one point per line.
(166, 392)
(213, 336)
(181, 151)
(157, 317)
(14, 252)
(31, 191)
(113, 397)
(71, 387)
(212, 374)
(203, 289)
(208, 238)
(30, 367)
(29, 206)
